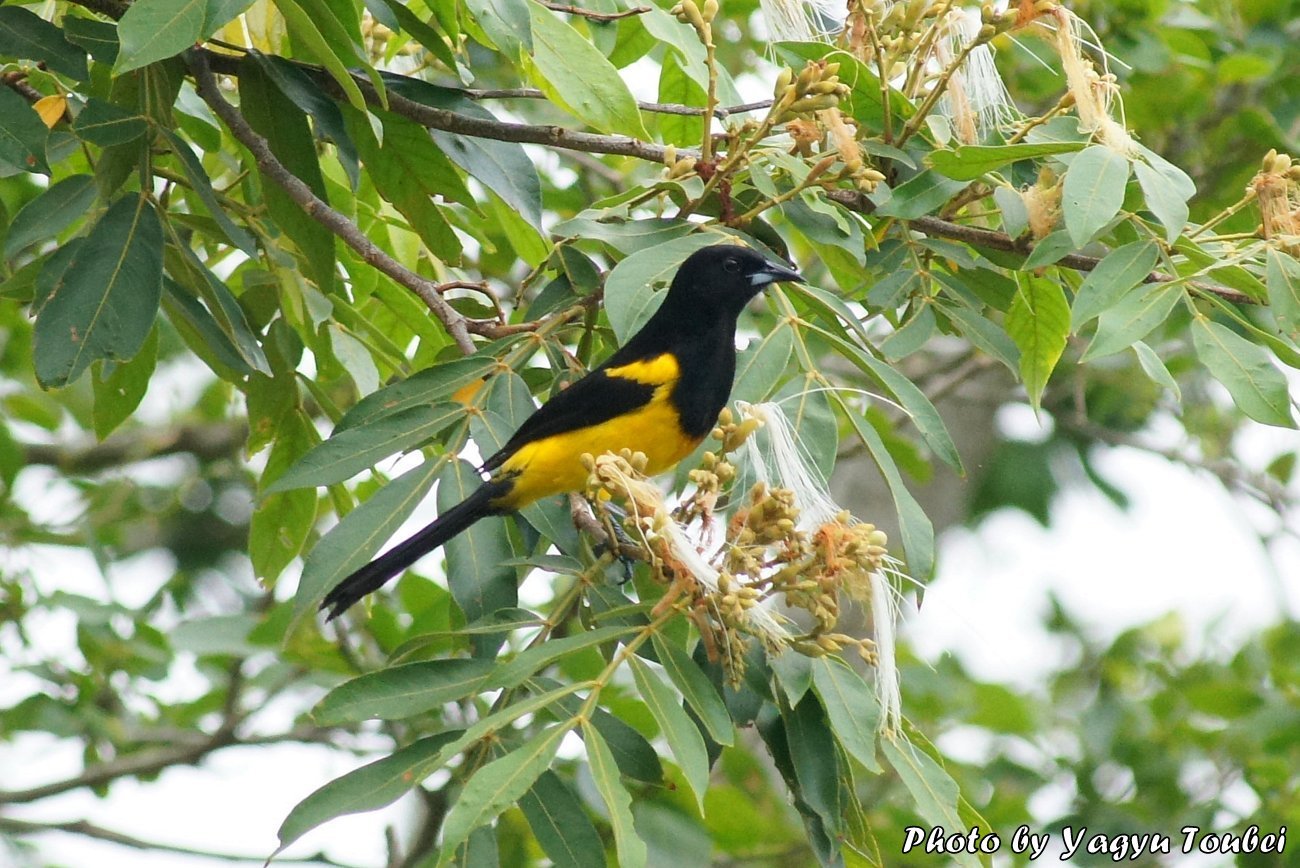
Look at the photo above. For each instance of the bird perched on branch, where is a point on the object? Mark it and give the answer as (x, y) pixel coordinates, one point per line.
(659, 394)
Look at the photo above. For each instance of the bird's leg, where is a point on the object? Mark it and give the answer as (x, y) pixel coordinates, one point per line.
(617, 538)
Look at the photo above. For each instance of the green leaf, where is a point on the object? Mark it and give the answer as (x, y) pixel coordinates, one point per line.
(282, 520)
(97, 37)
(1257, 387)
(561, 825)
(104, 124)
(1283, 275)
(368, 788)
(1039, 323)
(816, 767)
(402, 691)
(503, 167)
(1132, 319)
(506, 22)
(202, 185)
(761, 364)
(851, 707)
(1121, 270)
(1093, 191)
(635, 287)
(580, 79)
(678, 88)
(26, 35)
(985, 334)
(223, 306)
(51, 212)
(604, 774)
(698, 691)
(420, 389)
(105, 303)
(348, 453)
(22, 134)
(500, 784)
(1049, 250)
(676, 727)
(475, 575)
(517, 670)
(914, 525)
(285, 128)
(919, 196)
(153, 30)
(321, 35)
(1163, 200)
(119, 390)
(913, 401)
(933, 790)
(969, 162)
(201, 332)
(1156, 370)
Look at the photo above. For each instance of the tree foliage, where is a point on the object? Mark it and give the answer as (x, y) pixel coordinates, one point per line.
(252, 252)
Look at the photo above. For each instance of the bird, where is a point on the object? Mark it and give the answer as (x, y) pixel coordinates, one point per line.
(659, 394)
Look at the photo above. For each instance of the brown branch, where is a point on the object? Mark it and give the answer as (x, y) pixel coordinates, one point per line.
(318, 209)
(593, 14)
(977, 237)
(206, 442)
(15, 826)
(663, 108)
(148, 762)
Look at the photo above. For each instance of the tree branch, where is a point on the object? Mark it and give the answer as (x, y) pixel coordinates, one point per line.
(206, 442)
(15, 826)
(148, 762)
(593, 14)
(976, 237)
(318, 209)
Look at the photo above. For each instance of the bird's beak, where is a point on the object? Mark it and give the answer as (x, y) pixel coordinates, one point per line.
(774, 273)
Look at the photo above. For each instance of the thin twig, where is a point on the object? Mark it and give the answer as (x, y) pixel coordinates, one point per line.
(978, 237)
(592, 13)
(15, 826)
(318, 209)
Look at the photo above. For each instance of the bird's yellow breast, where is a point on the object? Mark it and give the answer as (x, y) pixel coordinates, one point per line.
(551, 465)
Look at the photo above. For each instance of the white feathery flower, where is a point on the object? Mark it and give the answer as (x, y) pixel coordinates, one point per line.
(976, 100)
(803, 20)
(788, 465)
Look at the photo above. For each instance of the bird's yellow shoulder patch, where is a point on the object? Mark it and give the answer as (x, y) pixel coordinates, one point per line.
(655, 371)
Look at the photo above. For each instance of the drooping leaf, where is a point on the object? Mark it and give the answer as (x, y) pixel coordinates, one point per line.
(51, 212)
(1132, 319)
(618, 801)
(22, 134)
(696, 688)
(26, 35)
(578, 77)
(202, 185)
(283, 519)
(1093, 191)
(500, 784)
(561, 824)
(1283, 290)
(676, 727)
(851, 708)
(277, 119)
(969, 162)
(1121, 270)
(402, 691)
(348, 453)
(1163, 198)
(105, 303)
(932, 788)
(1039, 323)
(1257, 387)
(476, 576)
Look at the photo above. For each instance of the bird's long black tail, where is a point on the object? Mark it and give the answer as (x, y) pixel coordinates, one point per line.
(374, 574)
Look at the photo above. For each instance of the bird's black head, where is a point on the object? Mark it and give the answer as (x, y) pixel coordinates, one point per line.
(723, 278)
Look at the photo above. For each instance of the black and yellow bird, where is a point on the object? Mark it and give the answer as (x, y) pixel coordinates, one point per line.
(659, 394)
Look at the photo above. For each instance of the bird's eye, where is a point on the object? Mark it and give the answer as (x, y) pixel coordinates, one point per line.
(731, 265)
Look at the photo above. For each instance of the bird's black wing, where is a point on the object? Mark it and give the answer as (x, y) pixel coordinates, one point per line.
(597, 397)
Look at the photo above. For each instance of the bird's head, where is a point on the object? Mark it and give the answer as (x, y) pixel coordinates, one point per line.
(725, 277)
